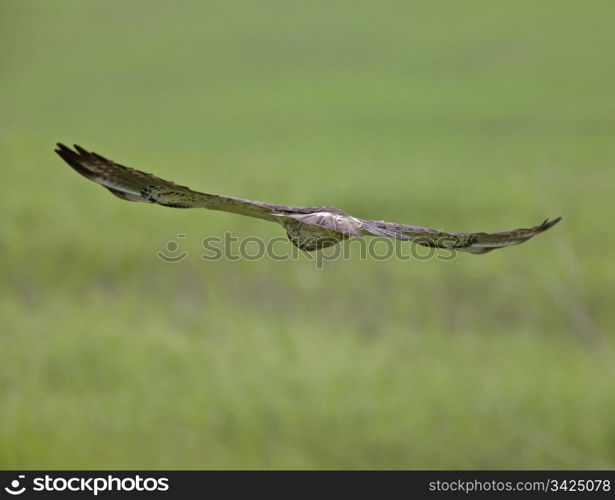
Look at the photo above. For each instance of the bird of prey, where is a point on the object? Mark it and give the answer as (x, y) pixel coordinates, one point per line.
(308, 228)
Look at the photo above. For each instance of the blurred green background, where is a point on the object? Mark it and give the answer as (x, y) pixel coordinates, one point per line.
(463, 115)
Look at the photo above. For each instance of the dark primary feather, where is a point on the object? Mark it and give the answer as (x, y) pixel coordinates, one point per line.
(324, 221)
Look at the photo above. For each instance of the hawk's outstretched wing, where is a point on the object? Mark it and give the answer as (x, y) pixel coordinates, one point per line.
(133, 185)
(476, 243)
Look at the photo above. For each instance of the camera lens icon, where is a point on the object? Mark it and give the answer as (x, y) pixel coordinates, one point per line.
(171, 248)
(14, 489)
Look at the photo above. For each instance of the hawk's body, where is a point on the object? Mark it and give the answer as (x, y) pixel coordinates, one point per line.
(308, 228)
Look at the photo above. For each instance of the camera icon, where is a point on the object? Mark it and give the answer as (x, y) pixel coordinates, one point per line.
(171, 247)
(14, 489)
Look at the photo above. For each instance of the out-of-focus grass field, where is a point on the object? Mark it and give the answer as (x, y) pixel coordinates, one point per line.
(463, 115)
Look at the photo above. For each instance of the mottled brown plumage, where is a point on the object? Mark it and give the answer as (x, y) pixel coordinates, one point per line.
(308, 228)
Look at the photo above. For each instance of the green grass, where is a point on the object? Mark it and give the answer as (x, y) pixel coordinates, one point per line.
(464, 115)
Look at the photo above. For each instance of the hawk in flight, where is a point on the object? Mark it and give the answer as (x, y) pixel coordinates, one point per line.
(308, 228)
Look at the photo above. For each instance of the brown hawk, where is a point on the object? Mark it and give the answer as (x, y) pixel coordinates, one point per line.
(308, 228)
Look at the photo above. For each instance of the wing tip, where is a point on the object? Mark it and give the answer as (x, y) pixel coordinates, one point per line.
(105, 172)
(76, 149)
(76, 158)
(548, 224)
(60, 146)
